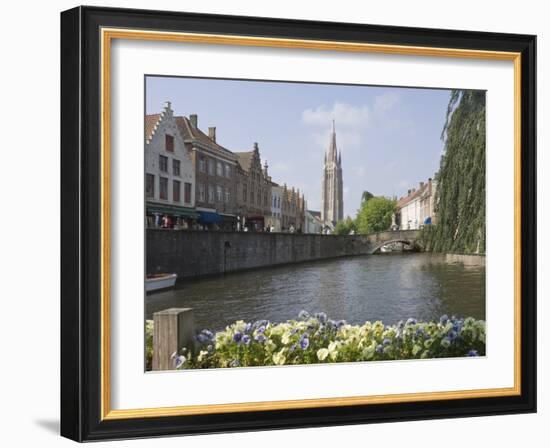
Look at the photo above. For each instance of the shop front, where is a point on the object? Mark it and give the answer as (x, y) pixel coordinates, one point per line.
(164, 216)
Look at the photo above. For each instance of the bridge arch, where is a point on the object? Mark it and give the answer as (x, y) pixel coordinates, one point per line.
(379, 246)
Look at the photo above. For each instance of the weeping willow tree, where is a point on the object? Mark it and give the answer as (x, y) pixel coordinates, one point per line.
(460, 195)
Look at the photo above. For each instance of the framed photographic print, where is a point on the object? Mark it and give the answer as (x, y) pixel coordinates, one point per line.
(273, 223)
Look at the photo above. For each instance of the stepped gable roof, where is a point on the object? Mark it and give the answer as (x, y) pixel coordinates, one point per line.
(245, 159)
(150, 124)
(414, 194)
(189, 132)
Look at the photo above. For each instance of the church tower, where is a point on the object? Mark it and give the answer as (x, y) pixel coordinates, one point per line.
(332, 201)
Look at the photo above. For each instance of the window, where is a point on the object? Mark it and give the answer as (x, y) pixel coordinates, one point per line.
(245, 191)
(252, 197)
(163, 164)
(227, 195)
(219, 170)
(211, 166)
(163, 190)
(150, 185)
(227, 170)
(202, 164)
(202, 192)
(210, 194)
(187, 193)
(176, 167)
(219, 194)
(169, 143)
(176, 190)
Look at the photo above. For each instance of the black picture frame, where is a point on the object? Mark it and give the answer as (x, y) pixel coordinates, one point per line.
(81, 224)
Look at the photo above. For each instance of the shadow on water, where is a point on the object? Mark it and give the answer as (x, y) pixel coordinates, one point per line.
(387, 287)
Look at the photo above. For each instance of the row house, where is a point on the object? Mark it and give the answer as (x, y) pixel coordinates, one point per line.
(216, 174)
(253, 190)
(417, 208)
(292, 210)
(192, 181)
(276, 216)
(169, 173)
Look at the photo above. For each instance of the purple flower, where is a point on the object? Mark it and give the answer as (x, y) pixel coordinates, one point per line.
(473, 353)
(304, 342)
(443, 319)
(260, 338)
(386, 342)
(340, 323)
(246, 339)
(321, 317)
(248, 327)
(379, 349)
(234, 363)
(178, 361)
(452, 335)
(304, 315)
(410, 321)
(237, 336)
(261, 329)
(202, 338)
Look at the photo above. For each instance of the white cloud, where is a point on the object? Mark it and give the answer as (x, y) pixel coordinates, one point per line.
(386, 101)
(345, 115)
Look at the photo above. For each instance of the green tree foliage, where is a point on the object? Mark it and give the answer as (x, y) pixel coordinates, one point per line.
(375, 215)
(345, 227)
(460, 195)
(366, 196)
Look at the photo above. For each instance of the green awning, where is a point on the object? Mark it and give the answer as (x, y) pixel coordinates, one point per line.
(172, 210)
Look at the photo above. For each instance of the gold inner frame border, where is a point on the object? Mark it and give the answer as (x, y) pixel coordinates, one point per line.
(107, 35)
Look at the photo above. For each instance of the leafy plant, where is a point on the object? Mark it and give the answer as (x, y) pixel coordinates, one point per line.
(318, 339)
(375, 215)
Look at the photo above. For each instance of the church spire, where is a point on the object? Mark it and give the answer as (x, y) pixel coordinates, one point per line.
(332, 149)
(332, 201)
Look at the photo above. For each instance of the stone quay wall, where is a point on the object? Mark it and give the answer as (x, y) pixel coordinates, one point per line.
(196, 253)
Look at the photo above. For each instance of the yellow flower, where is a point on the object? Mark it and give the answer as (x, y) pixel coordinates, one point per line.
(322, 354)
(279, 358)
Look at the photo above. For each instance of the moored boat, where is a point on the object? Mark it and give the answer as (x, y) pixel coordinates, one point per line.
(159, 282)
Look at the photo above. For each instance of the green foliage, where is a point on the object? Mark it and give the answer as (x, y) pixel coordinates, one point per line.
(375, 215)
(366, 196)
(345, 227)
(317, 339)
(460, 195)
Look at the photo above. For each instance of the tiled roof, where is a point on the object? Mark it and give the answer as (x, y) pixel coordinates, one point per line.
(189, 132)
(402, 202)
(150, 123)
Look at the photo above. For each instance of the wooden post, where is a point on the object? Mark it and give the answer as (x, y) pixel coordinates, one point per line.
(174, 329)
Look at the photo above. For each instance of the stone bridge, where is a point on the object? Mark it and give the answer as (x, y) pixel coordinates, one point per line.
(377, 240)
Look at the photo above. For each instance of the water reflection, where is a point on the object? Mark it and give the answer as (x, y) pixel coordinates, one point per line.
(386, 287)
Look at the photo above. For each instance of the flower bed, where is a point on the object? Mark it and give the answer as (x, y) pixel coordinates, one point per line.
(317, 339)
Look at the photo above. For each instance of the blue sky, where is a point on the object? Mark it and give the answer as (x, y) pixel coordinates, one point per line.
(389, 137)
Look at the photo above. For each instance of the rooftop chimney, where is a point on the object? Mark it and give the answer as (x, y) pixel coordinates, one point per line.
(194, 119)
(167, 105)
(408, 192)
(421, 184)
(212, 133)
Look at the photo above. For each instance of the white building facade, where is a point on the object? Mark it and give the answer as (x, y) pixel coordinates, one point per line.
(417, 208)
(274, 221)
(169, 173)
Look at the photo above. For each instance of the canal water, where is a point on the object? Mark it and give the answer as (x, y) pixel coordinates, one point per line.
(386, 287)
